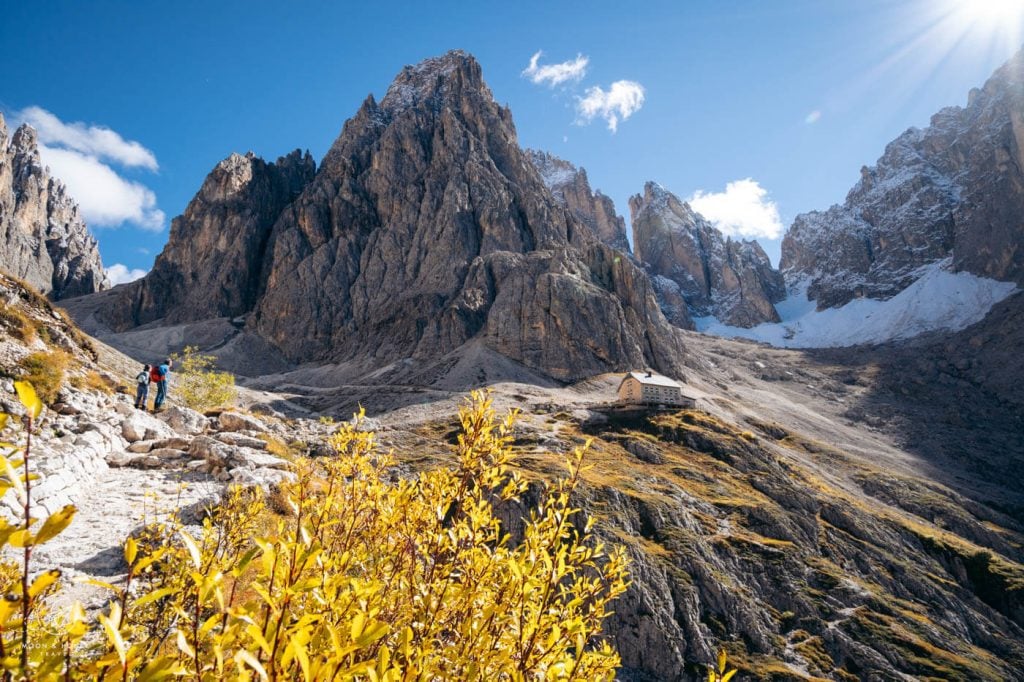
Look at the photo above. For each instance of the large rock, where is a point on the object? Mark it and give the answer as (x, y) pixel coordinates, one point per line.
(184, 421)
(236, 421)
(142, 426)
(731, 280)
(43, 238)
(952, 190)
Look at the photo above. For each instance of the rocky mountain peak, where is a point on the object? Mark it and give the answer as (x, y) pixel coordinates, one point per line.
(435, 80)
(211, 265)
(952, 190)
(570, 186)
(43, 238)
(693, 262)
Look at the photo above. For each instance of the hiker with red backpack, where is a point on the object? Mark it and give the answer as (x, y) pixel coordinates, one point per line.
(158, 374)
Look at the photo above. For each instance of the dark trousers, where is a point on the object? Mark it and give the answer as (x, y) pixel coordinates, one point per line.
(141, 393)
(161, 394)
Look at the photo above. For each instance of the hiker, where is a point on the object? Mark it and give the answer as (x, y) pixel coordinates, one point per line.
(142, 388)
(159, 375)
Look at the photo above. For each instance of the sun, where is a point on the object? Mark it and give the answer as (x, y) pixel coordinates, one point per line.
(998, 21)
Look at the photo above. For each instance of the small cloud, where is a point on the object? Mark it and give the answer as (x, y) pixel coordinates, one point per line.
(812, 117)
(120, 274)
(742, 210)
(622, 100)
(565, 138)
(104, 197)
(91, 140)
(143, 250)
(82, 157)
(555, 74)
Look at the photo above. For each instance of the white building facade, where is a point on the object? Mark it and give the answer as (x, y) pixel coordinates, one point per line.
(647, 388)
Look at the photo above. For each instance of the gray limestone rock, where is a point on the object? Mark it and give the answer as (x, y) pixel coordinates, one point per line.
(952, 190)
(43, 238)
(714, 275)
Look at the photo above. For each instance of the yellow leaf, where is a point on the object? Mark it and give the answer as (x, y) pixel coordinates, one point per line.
(27, 396)
(155, 595)
(728, 675)
(113, 635)
(183, 645)
(77, 627)
(721, 660)
(42, 581)
(55, 524)
(193, 548)
(3, 420)
(243, 656)
(131, 550)
(299, 649)
(20, 538)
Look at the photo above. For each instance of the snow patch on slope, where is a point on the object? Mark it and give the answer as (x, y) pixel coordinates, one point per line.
(938, 300)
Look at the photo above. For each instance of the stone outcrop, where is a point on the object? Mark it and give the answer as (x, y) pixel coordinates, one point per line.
(425, 227)
(43, 238)
(954, 189)
(691, 260)
(211, 264)
(570, 186)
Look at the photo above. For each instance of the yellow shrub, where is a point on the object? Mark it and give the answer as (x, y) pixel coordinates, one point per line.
(16, 323)
(362, 577)
(198, 385)
(45, 371)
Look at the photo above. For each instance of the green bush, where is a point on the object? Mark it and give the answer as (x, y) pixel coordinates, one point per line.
(198, 385)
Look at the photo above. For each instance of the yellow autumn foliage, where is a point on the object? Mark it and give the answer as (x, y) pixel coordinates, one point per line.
(367, 575)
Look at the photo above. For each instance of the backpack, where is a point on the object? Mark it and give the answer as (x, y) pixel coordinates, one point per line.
(142, 378)
(154, 374)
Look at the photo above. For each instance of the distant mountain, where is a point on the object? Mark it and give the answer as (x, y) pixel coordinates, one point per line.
(425, 227)
(43, 238)
(693, 262)
(952, 190)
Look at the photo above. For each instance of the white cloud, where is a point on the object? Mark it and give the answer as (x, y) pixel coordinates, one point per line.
(120, 274)
(556, 74)
(94, 141)
(742, 210)
(622, 100)
(82, 157)
(813, 117)
(104, 197)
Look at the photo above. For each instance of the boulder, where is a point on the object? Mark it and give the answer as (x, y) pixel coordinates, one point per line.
(253, 459)
(142, 426)
(215, 453)
(183, 420)
(262, 476)
(241, 440)
(236, 421)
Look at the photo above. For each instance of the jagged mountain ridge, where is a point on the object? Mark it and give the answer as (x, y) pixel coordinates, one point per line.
(43, 237)
(953, 189)
(693, 262)
(425, 227)
(571, 186)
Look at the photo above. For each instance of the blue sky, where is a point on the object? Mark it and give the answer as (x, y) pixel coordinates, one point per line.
(795, 95)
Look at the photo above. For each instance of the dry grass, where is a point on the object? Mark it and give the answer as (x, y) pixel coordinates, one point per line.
(45, 371)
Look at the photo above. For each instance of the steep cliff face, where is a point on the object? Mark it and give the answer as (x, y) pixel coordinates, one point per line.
(211, 264)
(691, 259)
(43, 238)
(570, 186)
(955, 188)
(425, 226)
